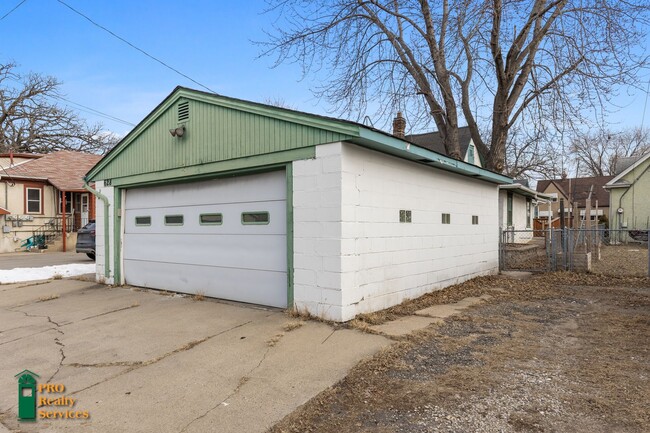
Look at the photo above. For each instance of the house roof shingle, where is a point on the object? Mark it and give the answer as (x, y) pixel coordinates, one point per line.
(578, 188)
(433, 140)
(64, 169)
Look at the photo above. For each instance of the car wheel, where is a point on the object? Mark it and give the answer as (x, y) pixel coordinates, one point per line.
(91, 256)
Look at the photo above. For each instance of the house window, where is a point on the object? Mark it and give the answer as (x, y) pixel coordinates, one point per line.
(470, 154)
(528, 212)
(173, 220)
(509, 209)
(211, 219)
(68, 203)
(446, 218)
(404, 216)
(33, 200)
(475, 220)
(143, 221)
(249, 218)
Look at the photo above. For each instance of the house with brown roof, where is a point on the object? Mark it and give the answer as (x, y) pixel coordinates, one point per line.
(43, 196)
(433, 141)
(576, 191)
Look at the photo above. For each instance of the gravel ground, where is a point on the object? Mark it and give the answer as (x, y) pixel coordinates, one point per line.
(629, 259)
(555, 353)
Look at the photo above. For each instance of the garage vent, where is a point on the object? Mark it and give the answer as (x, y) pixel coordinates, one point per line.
(183, 111)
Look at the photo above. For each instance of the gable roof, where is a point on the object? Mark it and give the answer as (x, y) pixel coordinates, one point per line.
(578, 188)
(239, 134)
(64, 169)
(433, 140)
(616, 180)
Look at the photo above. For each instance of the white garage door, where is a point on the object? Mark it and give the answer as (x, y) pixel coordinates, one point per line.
(225, 238)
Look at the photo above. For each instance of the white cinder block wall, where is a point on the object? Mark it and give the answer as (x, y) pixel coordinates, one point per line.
(351, 253)
(317, 233)
(100, 258)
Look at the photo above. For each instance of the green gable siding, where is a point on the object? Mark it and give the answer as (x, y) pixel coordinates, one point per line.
(224, 135)
(213, 133)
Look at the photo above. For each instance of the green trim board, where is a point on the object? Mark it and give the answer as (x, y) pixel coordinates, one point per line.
(117, 237)
(289, 175)
(207, 171)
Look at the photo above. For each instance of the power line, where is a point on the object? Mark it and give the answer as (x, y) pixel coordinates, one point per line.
(15, 7)
(645, 105)
(84, 108)
(94, 111)
(133, 46)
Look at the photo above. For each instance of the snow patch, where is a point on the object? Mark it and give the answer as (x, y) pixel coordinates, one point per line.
(18, 275)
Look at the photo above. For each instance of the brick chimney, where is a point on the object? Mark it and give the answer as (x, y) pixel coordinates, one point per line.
(399, 125)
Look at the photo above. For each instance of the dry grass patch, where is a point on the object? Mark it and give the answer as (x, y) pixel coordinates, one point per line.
(199, 296)
(57, 277)
(274, 340)
(290, 326)
(48, 298)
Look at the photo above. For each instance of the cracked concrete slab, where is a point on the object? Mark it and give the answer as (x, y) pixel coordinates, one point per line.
(139, 361)
(445, 310)
(404, 325)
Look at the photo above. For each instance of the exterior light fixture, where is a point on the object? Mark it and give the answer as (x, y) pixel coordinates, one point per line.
(178, 132)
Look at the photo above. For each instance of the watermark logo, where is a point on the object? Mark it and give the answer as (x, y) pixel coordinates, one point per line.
(27, 395)
(32, 406)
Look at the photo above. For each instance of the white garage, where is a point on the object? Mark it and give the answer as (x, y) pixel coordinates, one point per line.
(259, 204)
(224, 238)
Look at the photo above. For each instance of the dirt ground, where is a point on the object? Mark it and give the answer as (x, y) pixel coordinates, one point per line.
(631, 259)
(554, 353)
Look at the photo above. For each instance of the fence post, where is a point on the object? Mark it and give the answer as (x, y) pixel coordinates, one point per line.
(500, 249)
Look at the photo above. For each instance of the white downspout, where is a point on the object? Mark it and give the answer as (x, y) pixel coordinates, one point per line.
(107, 251)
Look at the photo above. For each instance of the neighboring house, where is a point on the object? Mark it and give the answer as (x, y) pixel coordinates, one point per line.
(32, 192)
(576, 191)
(519, 204)
(629, 196)
(260, 204)
(433, 141)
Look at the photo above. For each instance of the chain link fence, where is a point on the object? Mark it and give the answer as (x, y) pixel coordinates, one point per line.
(598, 250)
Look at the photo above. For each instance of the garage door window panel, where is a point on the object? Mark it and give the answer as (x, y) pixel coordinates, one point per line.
(255, 218)
(173, 220)
(143, 221)
(211, 219)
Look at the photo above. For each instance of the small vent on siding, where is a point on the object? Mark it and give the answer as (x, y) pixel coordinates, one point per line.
(183, 111)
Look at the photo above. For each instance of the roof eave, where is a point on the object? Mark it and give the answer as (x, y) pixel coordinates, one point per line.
(404, 149)
(527, 192)
(617, 185)
(622, 174)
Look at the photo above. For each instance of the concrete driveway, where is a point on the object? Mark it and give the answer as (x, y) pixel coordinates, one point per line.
(36, 260)
(141, 361)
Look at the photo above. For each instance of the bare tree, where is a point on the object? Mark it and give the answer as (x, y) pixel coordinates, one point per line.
(531, 153)
(597, 154)
(31, 122)
(484, 62)
(278, 101)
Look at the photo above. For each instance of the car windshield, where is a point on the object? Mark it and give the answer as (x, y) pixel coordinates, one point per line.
(90, 226)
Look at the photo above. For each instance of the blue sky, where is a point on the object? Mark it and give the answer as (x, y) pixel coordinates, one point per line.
(209, 41)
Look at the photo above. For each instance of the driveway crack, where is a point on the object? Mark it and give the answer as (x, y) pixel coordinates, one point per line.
(57, 341)
(242, 381)
(134, 365)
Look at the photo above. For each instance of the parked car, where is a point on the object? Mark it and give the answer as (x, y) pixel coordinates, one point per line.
(86, 240)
